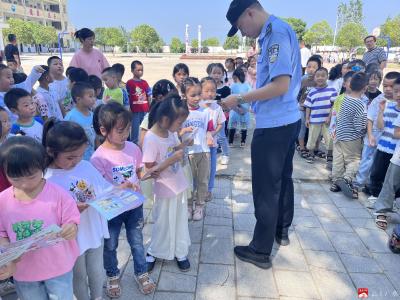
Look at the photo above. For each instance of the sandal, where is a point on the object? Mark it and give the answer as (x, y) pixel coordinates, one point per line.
(334, 188)
(394, 243)
(381, 221)
(113, 287)
(319, 154)
(145, 283)
(304, 153)
(347, 188)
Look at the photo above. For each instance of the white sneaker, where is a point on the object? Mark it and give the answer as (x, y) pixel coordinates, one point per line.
(224, 160)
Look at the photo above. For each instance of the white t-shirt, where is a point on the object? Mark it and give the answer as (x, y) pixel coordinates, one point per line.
(337, 84)
(305, 55)
(216, 115)
(47, 104)
(84, 182)
(34, 130)
(198, 119)
(59, 89)
(396, 155)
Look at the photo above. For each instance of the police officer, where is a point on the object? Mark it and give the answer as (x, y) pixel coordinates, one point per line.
(277, 125)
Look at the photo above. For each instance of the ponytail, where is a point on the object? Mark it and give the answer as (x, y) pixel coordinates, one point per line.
(83, 34)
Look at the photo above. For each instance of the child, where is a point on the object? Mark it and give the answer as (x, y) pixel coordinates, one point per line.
(170, 234)
(199, 153)
(18, 76)
(20, 103)
(217, 72)
(59, 87)
(84, 99)
(120, 163)
(139, 98)
(230, 68)
(5, 125)
(47, 103)
(97, 85)
(74, 75)
(351, 126)
(357, 65)
(318, 106)
(307, 83)
(29, 206)
(388, 113)
(238, 62)
(251, 77)
(65, 143)
(180, 73)
(239, 117)
(120, 70)
(113, 92)
(215, 125)
(374, 81)
(373, 132)
(335, 79)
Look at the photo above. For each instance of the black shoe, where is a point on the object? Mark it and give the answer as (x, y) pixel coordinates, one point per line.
(219, 150)
(282, 240)
(183, 265)
(150, 265)
(366, 190)
(245, 253)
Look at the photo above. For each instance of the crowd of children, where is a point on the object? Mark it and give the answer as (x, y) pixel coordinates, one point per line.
(69, 139)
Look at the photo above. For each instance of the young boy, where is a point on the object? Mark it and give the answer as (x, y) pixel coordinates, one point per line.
(97, 84)
(139, 98)
(47, 104)
(113, 92)
(20, 103)
(318, 106)
(351, 126)
(59, 87)
(120, 70)
(313, 64)
(391, 185)
(74, 75)
(84, 98)
(373, 132)
(388, 113)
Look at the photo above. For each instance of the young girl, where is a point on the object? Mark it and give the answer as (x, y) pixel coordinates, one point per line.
(374, 81)
(120, 163)
(29, 206)
(230, 67)
(170, 235)
(239, 117)
(335, 78)
(251, 76)
(215, 125)
(217, 72)
(199, 152)
(65, 143)
(180, 73)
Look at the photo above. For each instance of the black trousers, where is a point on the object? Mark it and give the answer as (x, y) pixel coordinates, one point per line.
(272, 151)
(378, 172)
(232, 133)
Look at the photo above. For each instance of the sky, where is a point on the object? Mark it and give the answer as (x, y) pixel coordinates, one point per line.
(169, 17)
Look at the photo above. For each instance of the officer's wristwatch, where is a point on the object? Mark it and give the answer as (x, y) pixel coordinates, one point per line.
(240, 99)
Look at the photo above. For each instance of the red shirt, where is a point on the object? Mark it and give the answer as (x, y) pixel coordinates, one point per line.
(139, 94)
(4, 184)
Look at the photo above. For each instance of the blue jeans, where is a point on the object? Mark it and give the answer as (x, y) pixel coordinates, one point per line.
(133, 220)
(364, 170)
(223, 141)
(213, 168)
(136, 121)
(57, 288)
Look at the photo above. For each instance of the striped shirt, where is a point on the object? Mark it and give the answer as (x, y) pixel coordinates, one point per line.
(319, 101)
(387, 142)
(376, 55)
(351, 121)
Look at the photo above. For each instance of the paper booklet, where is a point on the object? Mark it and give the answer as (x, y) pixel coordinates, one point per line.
(44, 238)
(114, 201)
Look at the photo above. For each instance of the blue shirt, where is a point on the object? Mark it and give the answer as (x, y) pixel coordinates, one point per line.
(387, 143)
(279, 55)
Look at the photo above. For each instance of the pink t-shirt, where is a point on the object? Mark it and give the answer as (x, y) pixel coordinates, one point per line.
(118, 166)
(93, 62)
(172, 180)
(20, 220)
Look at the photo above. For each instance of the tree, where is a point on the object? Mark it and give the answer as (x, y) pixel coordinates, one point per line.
(177, 46)
(146, 38)
(350, 13)
(194, 44)
(22, 29)
(110, 36)
(319, 34)
(351, 36)
(232, 43)
(298, 25)
(43, 35)
(211, 42)
(391, 29)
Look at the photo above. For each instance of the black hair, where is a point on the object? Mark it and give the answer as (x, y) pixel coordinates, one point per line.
(45, 74)
(83, 34)
(162, 88)
(356, 62)
(322, 69)
(11, 37)
(110, 115)
(208, 79)
(316, 60)
(358, 82)
(346, 77)
(136, 63)
(172, 107)
(239, 73)
(376, 73)
(51, 58)
(370, 36)
(180, 67)
(110, 71)
(221, 66)
(335, 72)
(68, 71)
(78, 74)
(319, 57)
(79, 89)
(95, 82)
(372, 67)
(19, 77)
(238, 58)
(209, 68)
(62, 136)
(389, 76)
(12, 97)
(189, 82)
(119, 68)
(22, 156)
(11, 60)
(230, 59)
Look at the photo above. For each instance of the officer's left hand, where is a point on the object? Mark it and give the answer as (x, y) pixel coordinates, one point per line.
(230, 101)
